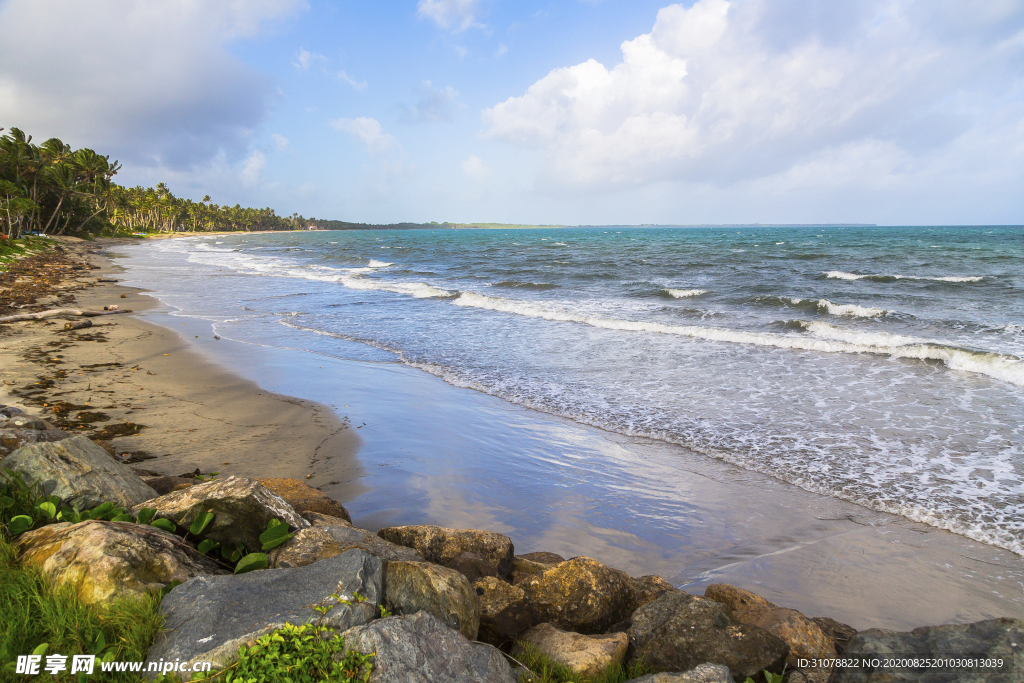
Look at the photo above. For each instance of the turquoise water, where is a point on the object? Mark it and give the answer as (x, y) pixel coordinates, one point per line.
(877, 365)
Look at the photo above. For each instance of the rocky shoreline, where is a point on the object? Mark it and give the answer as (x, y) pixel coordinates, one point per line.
(463, 604)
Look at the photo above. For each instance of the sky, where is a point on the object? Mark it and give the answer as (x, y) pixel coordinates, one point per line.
(540, 111)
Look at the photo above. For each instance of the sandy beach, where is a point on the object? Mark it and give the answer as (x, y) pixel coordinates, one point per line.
(425, 447)
(191, 413)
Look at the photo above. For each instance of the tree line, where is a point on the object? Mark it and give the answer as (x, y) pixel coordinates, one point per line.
(53, 189)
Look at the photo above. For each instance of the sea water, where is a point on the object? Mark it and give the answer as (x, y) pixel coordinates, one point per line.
(878, 365)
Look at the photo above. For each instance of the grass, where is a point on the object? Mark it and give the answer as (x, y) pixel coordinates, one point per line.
(547, 670)
(11, 250)
(35, 611)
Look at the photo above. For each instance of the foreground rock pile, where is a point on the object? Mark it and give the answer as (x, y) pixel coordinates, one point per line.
(460, 600)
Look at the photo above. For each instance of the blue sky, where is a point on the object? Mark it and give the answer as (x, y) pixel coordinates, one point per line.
(607, 111)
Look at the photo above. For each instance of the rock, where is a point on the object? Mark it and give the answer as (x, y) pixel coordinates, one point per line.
(542, 558)
(473, 566)
(12, 438)
(411, 587)
(78, 325)
(104, 560)
(991, 639)
(26, 422)
(441, 546)
(318, 519)
(586, 655)
(580, 595)
(210, 617)
(164, 485)
(321, 541)
(648, 588)
(840, 633)
(304, 498)
(505, 613)
(678, 631)
(805, 638)
(79, 473)
(421, 649)
(522, 568)
(242, 509)
(11, 411)
(704, 673)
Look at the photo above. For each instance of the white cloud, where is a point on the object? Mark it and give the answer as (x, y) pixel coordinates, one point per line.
(252, 168)
(434, 104)
(731, 91)
(305, 59)
(148, 82)
(457, 15)
(358, 85)
(369, 132)
(474, 168)
(280, 142)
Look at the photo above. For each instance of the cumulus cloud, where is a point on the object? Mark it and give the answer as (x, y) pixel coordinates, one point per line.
(458, 15)
(722, 92)
(280, 142)
(252, 168)
(358, 85)
(474, 168)
(151, 83)
(434, 104)
(368, 131)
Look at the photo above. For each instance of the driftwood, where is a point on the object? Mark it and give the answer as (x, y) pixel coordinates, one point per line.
(53, 312)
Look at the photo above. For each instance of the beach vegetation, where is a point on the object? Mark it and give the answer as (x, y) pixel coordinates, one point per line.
(543, 669)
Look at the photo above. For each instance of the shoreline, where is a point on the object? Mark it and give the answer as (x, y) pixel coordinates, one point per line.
(434, 453)
(869, 569)
(136, 373)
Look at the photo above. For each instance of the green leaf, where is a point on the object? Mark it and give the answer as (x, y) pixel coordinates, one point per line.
(84, 515)
(207, 545)
(251, 562)
(20, 524)
(6, 502)
(165, 524)
(200, 523)
(41, 649)
(68, 514)
(48, 509)
(123, 518)
(146, 515)
(275, 535)
(169, 587)
(100, 510)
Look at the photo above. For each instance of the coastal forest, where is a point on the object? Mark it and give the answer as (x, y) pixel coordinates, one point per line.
(53, 189)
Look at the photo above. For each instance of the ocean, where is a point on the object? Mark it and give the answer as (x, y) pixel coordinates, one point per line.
(876, 365)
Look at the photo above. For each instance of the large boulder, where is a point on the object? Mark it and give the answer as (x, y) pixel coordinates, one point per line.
(324, 540)
(704, 673)
(21, 430)
(79, 473)
(242, 510)
(505, 612)
(106, 560)
(473, 566)
(581, 595)
(304, 498)
(411, 587)
(420, 649)
(678, 631)
(586, 655)
(442, 546)
(805, 638)
(839, 632)
(648, 588)
(994, 639)
(210, 617)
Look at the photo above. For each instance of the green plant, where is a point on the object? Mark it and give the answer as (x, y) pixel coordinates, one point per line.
(769, 677)
(40, 617)
(295, 654)
(543, 669)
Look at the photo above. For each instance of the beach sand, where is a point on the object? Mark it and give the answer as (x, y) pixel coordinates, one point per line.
(411, 449)
(194, 413)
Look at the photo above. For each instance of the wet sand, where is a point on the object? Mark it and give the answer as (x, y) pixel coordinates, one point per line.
(432, 453)
(399, 446)
(191, 412)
